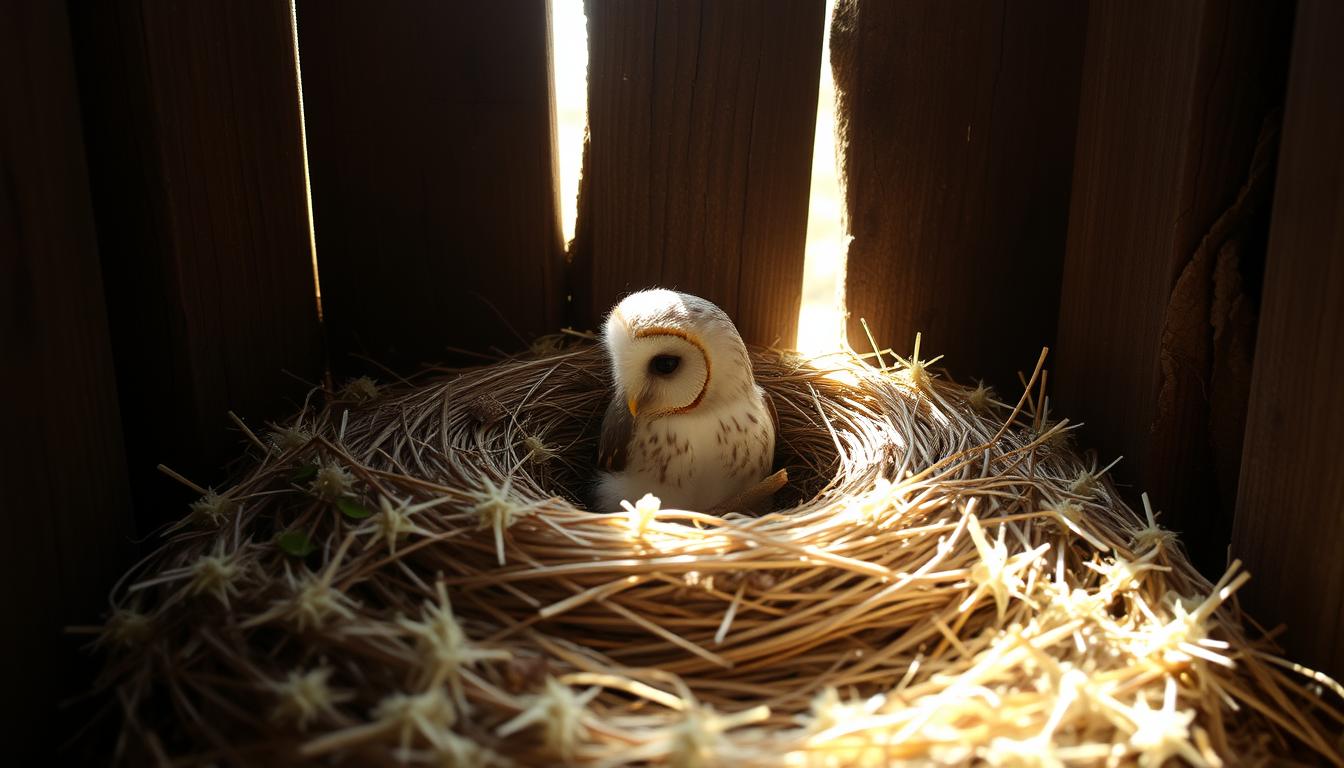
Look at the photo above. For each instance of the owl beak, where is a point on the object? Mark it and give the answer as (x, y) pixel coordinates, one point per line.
(632, 403)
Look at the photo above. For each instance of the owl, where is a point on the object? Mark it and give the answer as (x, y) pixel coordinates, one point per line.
(687, 422)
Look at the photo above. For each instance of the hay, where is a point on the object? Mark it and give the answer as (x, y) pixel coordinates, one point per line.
(405, 574)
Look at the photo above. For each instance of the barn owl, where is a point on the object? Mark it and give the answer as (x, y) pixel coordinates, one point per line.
(687, 423)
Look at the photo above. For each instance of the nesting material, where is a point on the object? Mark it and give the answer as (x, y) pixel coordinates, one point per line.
(406, 575)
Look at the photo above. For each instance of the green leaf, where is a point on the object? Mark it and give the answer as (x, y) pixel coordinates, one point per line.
(353, 509)
(296, 543)
(304, 474)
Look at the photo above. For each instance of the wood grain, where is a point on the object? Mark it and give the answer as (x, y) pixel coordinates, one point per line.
(431, 141)
(696, 176)
(1174, 98)
(62, 474)
(957, 124)
(192, 115)
(1290, 508)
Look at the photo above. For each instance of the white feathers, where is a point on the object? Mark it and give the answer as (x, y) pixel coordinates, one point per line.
(687, 422)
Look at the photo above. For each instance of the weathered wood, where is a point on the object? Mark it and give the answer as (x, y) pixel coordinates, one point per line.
(196, 154)
(696, 176)
(1174, 98)
(431, 141)
(957, 125)
(62, 474)
(1290, 508)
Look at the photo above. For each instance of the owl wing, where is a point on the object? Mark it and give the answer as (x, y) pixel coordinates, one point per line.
(617, 428)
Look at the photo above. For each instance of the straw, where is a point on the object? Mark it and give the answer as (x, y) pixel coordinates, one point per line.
(406, 573)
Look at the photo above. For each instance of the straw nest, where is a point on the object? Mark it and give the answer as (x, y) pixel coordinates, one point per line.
(406, 574)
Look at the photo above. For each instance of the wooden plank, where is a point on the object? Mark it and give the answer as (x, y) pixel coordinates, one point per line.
(1174, 98)
(196, 154)
(1290, 509)
(696, 176)
(62, 473)
(431, 140)
(957, 123)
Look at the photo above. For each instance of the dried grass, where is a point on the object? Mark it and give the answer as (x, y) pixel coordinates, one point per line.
(949, 582)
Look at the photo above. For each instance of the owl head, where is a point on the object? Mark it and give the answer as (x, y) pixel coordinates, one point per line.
(672, 353)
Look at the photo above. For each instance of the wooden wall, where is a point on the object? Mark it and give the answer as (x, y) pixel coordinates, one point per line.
(1290, 509)
(697, 170)
(431, 142)
(1161, 244)
(1092, 177)
(197, 168)
(1098, 177)
(62, 468)
(957, 123)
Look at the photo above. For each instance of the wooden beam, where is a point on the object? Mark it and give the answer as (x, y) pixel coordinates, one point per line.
(1290, 509)
(1174, 99)
(62, 473)
(957, 124)
(196, 153)
(697, 172)
(431, 139)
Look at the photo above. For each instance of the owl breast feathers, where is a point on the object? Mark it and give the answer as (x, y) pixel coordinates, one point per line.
(687, 422)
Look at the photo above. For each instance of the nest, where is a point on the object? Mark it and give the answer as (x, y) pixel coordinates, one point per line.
(406, 574)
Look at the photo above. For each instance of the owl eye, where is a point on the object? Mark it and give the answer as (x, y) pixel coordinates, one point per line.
(664, 365)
